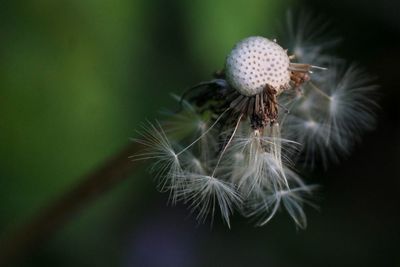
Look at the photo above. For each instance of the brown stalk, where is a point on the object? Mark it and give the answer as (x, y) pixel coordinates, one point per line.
(16, 245)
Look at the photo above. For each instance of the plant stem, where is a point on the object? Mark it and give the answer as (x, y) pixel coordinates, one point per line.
(24, 239)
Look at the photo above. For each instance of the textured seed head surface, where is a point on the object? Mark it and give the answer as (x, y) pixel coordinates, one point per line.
(256, 62)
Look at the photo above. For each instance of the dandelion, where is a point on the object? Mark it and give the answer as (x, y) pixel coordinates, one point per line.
(237, 139)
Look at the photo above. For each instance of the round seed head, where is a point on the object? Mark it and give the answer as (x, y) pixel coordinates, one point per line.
(256, 62)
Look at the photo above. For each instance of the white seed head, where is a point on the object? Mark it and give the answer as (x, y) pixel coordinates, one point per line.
(256, 62)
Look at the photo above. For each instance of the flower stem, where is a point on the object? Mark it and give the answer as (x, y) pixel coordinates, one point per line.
(26, 238)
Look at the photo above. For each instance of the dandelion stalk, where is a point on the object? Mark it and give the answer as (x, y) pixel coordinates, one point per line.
(15, 245)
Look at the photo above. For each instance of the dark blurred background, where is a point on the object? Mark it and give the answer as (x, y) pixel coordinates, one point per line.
(78, 77)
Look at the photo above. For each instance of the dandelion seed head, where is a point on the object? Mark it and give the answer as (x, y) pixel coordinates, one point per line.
(256, 62)
(232, 148)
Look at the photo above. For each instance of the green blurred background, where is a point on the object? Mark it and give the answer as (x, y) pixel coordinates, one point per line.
(77, 78)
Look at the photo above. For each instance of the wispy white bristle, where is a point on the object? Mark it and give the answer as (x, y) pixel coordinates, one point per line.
(264, 208)
(206, 193)
(330, 116)
(306, 35)
(167, 166)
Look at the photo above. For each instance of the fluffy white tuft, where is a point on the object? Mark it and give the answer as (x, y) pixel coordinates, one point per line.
(307, 37)
(206, 193)
(265, 207)
(259, 161)
(328, 118)
(167, 165)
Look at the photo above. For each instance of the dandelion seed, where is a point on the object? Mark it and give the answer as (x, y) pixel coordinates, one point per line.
(265, 208)
(330, 117)
(205, 193)
(167, 165)
(309, 37)
(236, 141)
